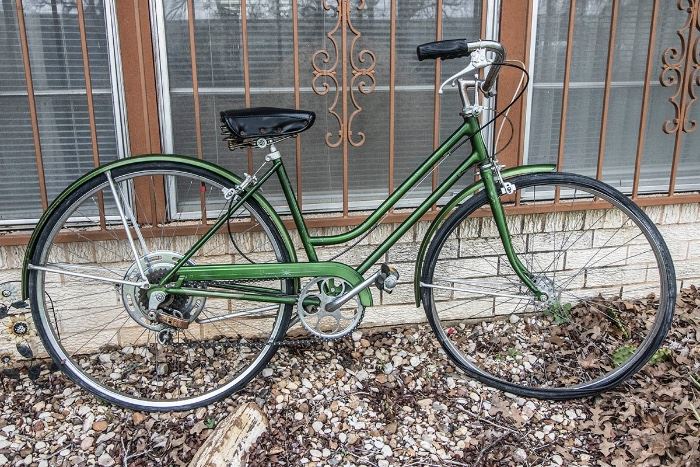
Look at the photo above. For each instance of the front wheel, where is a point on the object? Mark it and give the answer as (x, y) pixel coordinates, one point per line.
(603, 265)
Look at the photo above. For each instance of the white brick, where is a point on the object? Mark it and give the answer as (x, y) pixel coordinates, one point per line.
(597, 257)
(512, 306)
(680, 231)
(402, 294)
(403, 252)
(690, 213)
(488, 246)
(616, 237)
(550, 241)
(694, 249)
(672, 214)
(655, 213)
(564, 221)
(470, 227)
(614, 276)
(465, 268)
(382, 316)
(534, 223)
(687, 270)
(516, 225)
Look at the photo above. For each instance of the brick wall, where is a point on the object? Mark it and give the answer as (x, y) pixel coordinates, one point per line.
(679, 224)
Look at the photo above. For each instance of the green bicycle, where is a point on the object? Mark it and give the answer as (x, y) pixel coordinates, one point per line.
(540, 283)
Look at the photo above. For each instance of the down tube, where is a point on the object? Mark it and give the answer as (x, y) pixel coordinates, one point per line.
(473, 158)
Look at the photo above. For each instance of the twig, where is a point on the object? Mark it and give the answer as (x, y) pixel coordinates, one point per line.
(488, 447)
(484, 420)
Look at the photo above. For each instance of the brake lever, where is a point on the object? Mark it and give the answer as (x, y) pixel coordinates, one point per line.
(478, 60)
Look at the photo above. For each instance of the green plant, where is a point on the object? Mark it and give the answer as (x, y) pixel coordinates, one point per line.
(661, 355)
(210, 423)
(622, 354)
(614, 316)
(560, 314)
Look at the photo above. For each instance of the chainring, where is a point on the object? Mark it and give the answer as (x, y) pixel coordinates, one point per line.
(317, 319)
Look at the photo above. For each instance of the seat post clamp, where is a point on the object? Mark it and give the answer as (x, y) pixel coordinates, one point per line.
(273, 155)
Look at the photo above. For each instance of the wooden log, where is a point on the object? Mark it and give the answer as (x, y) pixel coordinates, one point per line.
(232, 438)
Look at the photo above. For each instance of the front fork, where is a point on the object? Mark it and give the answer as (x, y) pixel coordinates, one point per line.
(499, 216)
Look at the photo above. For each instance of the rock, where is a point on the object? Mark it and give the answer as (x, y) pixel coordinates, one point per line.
(514, 319)
(414, 361)
(138, 418)
(105, 460)
(356, 336)
(520, 456)
(105, 437)
(100, 425)
(316, 453)
(317, 426)
(87, 443)
(267, 372)
(342, 437)
(38, 425)
(425, 402)
(388, 368)
(361, 375)
(200, 413)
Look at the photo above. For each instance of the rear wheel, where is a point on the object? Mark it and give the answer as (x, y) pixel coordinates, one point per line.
(94, 318)
(604, 266)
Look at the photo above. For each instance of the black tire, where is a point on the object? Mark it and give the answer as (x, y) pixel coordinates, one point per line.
(646, 348)
(84, 380)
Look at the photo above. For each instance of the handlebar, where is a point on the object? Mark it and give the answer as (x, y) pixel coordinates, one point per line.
(456, 48)
(499, 51)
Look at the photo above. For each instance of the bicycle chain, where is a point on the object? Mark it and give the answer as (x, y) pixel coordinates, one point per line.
(306, 342)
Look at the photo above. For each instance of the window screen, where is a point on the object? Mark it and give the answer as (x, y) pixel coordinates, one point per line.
(53, 39)
(586, 90)
(218, 31)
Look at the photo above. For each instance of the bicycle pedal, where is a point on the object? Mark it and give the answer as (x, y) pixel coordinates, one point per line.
(172, 321)
(387, 279)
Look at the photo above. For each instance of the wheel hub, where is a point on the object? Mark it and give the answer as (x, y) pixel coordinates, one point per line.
(174, 311)
(546, 286)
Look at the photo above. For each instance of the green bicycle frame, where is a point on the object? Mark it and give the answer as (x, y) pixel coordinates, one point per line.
(478, 157)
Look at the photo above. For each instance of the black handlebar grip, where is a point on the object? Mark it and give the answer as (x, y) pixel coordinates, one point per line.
(451, 48)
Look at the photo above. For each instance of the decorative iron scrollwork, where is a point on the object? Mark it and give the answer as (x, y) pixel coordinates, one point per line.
(326, 78)
(680, 67)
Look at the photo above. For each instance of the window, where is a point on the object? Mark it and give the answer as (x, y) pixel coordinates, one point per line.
(269, 31)
(55, 52)
(586, 91)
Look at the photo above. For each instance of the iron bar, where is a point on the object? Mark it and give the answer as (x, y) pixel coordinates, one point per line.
(606, 93)
(565, 92)
(38, 159)
(645, 101)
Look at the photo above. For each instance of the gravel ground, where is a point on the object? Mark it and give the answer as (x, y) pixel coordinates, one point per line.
(383, 398)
